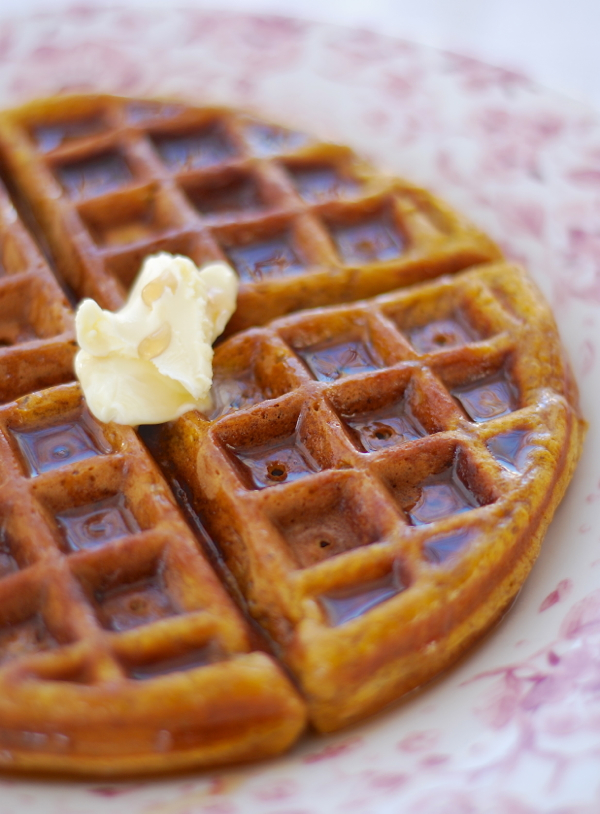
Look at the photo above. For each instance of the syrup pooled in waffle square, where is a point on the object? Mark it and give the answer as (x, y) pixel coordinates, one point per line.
(37, 337)
(120, 651)
(379, 476)
(303, 223)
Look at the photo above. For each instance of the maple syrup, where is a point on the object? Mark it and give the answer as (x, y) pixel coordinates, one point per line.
(349, 603)
(511, 449)
(202, 148)
(50, 136)
(440, 496)
(383, 428)
(314, 538)
(95, 524)
(234, 393)
(321, 183)
(265, 259)
(51, 447)
(88, 177)
(488, 398)
(331, 360)
(440, 335)
(372, 240)
(282, 461)
(232, 194)
(439, 549)
(138, 603)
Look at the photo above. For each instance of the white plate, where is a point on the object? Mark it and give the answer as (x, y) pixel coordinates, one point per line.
(516, 726)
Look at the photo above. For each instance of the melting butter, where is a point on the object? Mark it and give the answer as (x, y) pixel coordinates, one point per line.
(152, 361)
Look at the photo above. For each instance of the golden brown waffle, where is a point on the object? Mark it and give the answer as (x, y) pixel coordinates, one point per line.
(37, 339)
(120, 651)
(372, 485)
(303, 223)
(379, 477)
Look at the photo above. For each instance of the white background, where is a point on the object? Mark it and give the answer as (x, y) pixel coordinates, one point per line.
(555, 42)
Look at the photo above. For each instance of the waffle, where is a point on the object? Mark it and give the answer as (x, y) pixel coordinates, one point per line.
(120, 649)
(303, 223)
(37, 338)
(379, 477)
(393, 425)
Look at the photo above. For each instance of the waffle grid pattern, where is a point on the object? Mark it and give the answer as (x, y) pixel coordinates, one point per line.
(37, 339)
(303, 223)
(378, 471)
(112, 590)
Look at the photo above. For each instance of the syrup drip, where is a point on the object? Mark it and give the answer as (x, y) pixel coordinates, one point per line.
(439, 335)
(280, 462)
(440, 549)
(199, 657)
(322, 183)
(154, 290)
(132, 605)
(53, 447)
(441, 495)
(30, 636)
(227, 196)
(94, 176)
(155, 343)
(487, 398)
(205, 148)
(94, 525)
(385, 428)
(350, 603)
(50, 136)
(369, 241)
(511, 449)
(265, 140)
(332, 360)
(233, 394)
(269, 258)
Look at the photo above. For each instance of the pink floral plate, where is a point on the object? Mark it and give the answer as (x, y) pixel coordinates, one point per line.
(515, 727)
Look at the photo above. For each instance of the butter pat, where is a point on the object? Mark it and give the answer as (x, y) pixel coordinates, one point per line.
(152, 361)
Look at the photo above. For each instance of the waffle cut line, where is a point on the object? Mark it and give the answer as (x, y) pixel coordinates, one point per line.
(393, 425)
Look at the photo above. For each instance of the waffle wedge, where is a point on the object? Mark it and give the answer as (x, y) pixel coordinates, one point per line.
(304, 223)
(379, 477)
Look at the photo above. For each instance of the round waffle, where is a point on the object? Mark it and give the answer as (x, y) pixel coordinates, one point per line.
(393, 425)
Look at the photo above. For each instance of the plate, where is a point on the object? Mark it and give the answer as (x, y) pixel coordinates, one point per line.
(516, 725)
